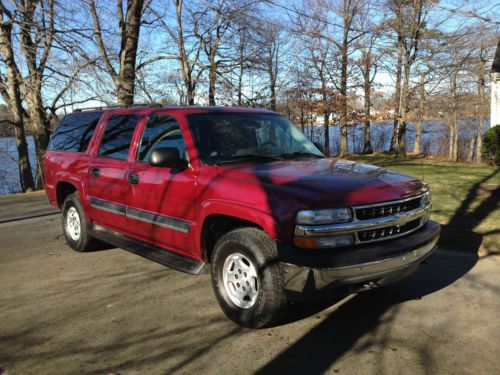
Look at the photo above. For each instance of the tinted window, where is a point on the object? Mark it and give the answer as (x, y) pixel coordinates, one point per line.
(117, 136)
(75, 132)
(161, 131)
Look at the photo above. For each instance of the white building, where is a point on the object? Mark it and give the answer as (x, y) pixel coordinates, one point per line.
(495, 89)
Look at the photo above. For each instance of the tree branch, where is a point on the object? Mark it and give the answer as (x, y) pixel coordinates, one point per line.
(100, 43)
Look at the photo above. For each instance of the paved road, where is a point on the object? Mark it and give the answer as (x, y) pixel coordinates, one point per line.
(63, 312)
(23, 206)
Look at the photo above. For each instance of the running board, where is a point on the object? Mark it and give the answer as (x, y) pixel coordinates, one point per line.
(151, 252)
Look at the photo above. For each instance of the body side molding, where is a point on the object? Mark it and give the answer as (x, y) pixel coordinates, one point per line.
(179, 225)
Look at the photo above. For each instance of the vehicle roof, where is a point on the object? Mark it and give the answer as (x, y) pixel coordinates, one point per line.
(185, 110)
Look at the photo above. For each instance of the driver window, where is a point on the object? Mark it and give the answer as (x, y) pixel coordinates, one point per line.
(161, 131)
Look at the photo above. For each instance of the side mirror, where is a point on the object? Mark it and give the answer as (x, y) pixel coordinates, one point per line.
(167, 157)
(320, 147)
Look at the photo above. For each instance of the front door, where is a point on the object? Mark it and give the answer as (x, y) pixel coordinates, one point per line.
(107, 176)
(161, 200)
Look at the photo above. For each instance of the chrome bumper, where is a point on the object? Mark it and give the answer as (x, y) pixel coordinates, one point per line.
(365, 275)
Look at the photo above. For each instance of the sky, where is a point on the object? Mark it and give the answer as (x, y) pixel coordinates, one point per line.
(156, 43)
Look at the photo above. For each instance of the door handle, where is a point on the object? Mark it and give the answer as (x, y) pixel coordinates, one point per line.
(94, 172)
(133, 178)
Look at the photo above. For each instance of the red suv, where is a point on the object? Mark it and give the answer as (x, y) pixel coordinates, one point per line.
(242, 190)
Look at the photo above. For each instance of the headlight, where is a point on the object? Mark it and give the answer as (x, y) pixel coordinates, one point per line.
(330, 216)
(427, 197)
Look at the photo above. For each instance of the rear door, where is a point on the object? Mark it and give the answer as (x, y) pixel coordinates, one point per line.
(161, 200)
(67, 155)
(107, 175)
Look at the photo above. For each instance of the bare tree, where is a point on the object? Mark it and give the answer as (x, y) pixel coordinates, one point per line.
(188, 50)
(368, 65)
(270, 54)
(320, 54)
(37, 36)
(10, 88)
(480, 72)
(458, 57)
(349, 10)
(129, 25)
(409, 23)
(211, 24)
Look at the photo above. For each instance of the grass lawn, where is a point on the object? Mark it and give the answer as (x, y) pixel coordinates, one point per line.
(465, 199)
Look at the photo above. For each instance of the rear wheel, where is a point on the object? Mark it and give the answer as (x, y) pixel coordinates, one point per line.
(75, 226)
(247, 278)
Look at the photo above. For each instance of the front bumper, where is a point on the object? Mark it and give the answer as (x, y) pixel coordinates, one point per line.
(357, 268)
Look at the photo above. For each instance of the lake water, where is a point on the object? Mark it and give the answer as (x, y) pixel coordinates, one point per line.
(9, 171)
(434, 142)
(435, 137)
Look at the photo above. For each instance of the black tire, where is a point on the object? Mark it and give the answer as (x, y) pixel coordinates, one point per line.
(85, 241)
(258, 248)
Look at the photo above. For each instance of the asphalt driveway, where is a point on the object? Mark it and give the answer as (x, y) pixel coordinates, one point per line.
(63, 312)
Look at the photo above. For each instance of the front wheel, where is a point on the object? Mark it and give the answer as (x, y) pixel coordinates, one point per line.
(247, 278)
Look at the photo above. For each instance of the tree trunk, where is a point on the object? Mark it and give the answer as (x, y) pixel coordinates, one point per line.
(212, 81)
(367, 145)
(480, 129)
(273, 95)
(472, 144)
(183, 58)
(326, 118)
(302, 119)
(240, 82)
(397, 97)
(41, 127)
(417, 149)
(128, 52)
(452, 152)
(403, 109)
(24, 165)
(343, 94)
(272, 82)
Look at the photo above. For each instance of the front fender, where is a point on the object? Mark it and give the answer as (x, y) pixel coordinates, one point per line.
(263, 219)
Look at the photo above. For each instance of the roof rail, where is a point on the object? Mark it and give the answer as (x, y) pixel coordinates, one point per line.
(117, 106)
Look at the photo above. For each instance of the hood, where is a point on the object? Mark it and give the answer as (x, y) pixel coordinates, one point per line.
(323, 183)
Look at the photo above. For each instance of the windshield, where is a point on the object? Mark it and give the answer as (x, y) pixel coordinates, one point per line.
(227, 137)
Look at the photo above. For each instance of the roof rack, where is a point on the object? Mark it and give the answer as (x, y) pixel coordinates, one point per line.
(117, 106)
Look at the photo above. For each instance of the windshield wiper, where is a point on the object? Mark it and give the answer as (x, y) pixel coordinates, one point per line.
(296, 154)
(255, 157)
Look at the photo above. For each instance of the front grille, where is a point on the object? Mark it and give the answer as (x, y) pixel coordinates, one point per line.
(397, 230)
(390, 209)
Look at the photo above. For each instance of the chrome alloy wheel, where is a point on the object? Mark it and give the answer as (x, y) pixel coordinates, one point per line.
(73, 226)
(240, 280)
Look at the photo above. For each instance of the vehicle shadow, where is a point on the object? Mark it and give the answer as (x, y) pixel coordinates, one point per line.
(363, 314)
(459, 233)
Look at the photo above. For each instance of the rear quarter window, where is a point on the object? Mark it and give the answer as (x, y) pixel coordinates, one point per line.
(74, 132)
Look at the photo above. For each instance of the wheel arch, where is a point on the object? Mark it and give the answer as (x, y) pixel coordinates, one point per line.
(219, 219)
(65, 187)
